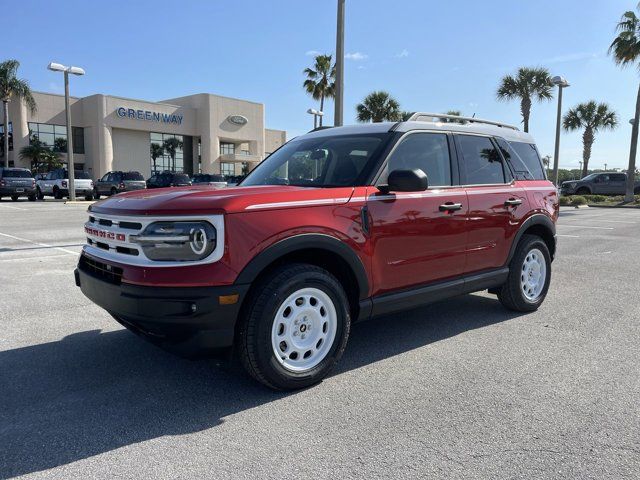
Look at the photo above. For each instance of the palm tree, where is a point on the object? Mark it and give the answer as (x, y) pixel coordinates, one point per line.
(592, 117)
(457, 113)
(405, 115)
(528, 85)
(625, 49)
(60, 144)
(12, 86)
(40, 156)
(379, 107)
(171, 145)
(320, 82)
(157, 151)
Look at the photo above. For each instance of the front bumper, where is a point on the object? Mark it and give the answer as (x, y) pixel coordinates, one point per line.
(189, 321)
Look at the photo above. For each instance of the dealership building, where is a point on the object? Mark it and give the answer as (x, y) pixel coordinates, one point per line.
(216, 134)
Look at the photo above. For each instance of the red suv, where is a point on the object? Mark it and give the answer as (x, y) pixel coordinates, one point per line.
(337, 226)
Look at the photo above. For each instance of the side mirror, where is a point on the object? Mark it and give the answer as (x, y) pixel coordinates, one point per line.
(414, 180)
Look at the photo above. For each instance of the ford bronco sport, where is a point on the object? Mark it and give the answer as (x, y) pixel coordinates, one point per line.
(338, 225)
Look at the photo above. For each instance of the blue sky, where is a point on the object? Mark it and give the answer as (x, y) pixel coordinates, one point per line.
(432, 56)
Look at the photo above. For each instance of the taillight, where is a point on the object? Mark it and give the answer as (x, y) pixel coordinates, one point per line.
(64, 183)
(33, 183)
(2, 183)
(122, 185)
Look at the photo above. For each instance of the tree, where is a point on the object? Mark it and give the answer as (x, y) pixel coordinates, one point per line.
(40, 156)
(171, 145)
(60, 144)
(245, 168)
(157, 151)
(320, 82)
(625, 49)
(379, 106)
(404, 116)
(12, 86)
(457, 113)
(528, 85)
(592, 117)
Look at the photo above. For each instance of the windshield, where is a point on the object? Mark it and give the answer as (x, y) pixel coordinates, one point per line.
(317, 162)
(77, 174)
(590, 177)
(203, 178)
(17, 174)
(132, 176)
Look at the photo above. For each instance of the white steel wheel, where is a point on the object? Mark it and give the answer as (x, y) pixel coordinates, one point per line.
(533, 274)
(304, 329)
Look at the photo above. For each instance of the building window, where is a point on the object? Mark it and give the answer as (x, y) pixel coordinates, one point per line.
(227, 148)
(54, 137)
(164, 161)
(245, 152)
(227, 168)
(2, 138)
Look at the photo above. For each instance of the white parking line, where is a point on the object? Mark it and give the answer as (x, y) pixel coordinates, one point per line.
(584, 226)
(569, 236)
(616, 221)
(13, 208)
(70, 252)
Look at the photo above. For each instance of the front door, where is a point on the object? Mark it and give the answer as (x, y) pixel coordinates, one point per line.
(497, 203)
(418, 237)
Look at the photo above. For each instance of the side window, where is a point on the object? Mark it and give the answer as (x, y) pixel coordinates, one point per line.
(618, 177)
(426, 151)
(602, 178)
(528, 155)
(105, 177)
(482, 161)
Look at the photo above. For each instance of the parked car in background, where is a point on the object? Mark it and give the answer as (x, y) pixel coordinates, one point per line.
(233, 180)
(117, 182)
(217, 181)
(168, 179)
(17, 182)
(604, 183)
(56, 184)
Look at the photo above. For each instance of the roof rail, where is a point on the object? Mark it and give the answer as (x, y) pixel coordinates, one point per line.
(434, 116)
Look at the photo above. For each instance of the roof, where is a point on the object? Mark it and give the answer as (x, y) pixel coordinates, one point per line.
(507, 133)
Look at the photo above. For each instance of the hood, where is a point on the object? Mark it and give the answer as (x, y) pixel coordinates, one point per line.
(209, 200)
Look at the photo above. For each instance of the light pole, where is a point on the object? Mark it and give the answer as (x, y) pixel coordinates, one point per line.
(57, 67)
(316, 114)
(339, 97)
(561, 82)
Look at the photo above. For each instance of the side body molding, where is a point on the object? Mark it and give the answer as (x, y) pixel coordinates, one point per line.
(536, 219)
(306, 242)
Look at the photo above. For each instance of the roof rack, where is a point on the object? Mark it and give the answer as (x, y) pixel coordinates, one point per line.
(433, 116)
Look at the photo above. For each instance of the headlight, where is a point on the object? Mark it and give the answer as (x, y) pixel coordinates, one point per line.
(177, 241)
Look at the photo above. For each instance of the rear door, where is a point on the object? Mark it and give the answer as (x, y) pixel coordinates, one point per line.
(618, 182)
(496, 203)
(418, 237)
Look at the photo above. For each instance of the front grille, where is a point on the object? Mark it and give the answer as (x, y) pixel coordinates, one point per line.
(110, 223)
(104, 271)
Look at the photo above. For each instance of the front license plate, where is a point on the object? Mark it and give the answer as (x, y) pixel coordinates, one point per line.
(20, 190)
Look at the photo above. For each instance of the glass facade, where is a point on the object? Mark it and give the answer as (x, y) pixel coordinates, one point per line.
(227, 148)
(164, 162)
(227, 168)
(55, 137)
(2, 138)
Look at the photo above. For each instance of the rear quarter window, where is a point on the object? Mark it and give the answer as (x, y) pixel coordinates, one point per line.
(132, 176)
(527, 160)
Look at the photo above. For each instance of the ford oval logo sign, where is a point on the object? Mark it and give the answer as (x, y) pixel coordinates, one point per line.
(237, 119)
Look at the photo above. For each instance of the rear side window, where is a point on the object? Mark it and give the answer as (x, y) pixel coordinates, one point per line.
(617, 177)
(528, 156)
(481, 159)
(181, 177)
(132, 176)
(426, 151)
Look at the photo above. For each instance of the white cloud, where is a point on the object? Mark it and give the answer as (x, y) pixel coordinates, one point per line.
(357, 56)
(312, 53)
(403, 54)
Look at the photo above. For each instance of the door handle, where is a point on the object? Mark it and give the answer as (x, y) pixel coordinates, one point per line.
(512, 202)
(450, 206)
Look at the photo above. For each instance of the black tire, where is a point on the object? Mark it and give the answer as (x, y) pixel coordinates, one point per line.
(14, 198)
(583, 191)
(96, 194)
(253, 339)
(57, 194)
(39, 194)
(32, 198)
(114, 191)
(89, 197)
(511, 294)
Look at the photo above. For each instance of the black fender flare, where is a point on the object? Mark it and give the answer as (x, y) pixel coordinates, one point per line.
(303, 242)
(535, 219)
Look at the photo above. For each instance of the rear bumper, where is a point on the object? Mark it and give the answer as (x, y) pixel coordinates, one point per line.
(79, 191)
(8, 191)
(186, 320)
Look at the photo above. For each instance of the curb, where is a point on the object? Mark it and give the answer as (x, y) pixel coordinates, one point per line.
(615, 206)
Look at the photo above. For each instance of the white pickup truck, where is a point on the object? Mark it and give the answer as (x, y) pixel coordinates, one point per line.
(56, 185)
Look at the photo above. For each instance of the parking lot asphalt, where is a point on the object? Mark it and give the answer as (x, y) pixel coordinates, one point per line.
(459, 389)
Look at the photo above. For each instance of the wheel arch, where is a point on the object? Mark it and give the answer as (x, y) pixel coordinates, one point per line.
(540, 225)
(321, 250)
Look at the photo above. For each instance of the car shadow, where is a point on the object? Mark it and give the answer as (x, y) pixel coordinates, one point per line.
(94, 392)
